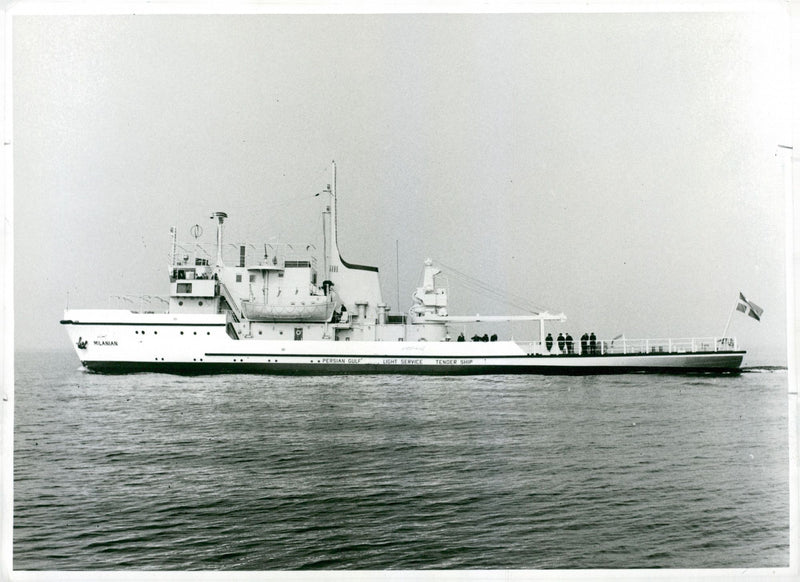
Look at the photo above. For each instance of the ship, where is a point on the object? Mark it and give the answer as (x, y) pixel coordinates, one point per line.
(285, 310)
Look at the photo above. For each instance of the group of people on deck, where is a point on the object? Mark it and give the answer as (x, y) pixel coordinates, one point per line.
(566, 345)
(479, 338)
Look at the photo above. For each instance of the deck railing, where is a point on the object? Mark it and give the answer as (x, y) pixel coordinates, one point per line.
(139, 303)
(636, 346)
(191, 254)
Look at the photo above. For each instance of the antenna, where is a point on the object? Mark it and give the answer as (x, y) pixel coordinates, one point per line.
(397, 272)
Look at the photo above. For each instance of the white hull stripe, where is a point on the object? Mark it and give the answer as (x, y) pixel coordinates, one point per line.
(577, 358)
(139, 323)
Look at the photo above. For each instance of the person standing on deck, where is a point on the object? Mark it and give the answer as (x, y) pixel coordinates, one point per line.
(592, 344)
(548, 342)
(585, 344)
(570, 344)
(560, 341)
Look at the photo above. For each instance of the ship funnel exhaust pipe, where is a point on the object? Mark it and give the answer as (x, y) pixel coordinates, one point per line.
(220, 216)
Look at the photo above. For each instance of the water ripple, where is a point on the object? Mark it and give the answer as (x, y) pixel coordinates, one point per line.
(240, 472)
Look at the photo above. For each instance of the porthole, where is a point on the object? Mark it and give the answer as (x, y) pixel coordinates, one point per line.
(155, 333)
(194, 332)
(136, 332)
(180, 302)
(208, 333)
(200, 303)
(181, 333)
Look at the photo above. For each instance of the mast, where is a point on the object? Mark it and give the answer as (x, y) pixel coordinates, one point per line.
(326, 217)
(330, 251)
(173, 233)
(220, 216)
(334, 247)
(329, 226)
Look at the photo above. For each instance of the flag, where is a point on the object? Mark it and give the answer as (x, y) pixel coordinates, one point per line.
(749, 308)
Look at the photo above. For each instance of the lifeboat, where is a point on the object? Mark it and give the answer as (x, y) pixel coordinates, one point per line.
(305, 311)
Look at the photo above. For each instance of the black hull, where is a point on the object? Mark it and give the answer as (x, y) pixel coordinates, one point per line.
(294, 369)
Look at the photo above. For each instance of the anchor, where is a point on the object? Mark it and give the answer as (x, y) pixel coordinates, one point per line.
(81, 343)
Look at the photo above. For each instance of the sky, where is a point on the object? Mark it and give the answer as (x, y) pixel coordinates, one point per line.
(619, 168)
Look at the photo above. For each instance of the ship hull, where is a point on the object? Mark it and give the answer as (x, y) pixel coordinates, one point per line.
(727, 366)
(118, 342)
(353, 362)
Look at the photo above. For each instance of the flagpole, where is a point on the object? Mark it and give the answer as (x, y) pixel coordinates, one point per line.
(728, 324)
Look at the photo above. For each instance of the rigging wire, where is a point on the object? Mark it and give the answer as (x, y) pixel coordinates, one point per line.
(303, 195)
(481, 290)
(480, 287)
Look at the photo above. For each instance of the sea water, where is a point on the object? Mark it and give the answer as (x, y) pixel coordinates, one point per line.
(153, 471)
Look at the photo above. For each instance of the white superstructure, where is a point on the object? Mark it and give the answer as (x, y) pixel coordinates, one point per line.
(278, 310)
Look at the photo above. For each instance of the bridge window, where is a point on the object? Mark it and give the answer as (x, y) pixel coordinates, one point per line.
(184, 287)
